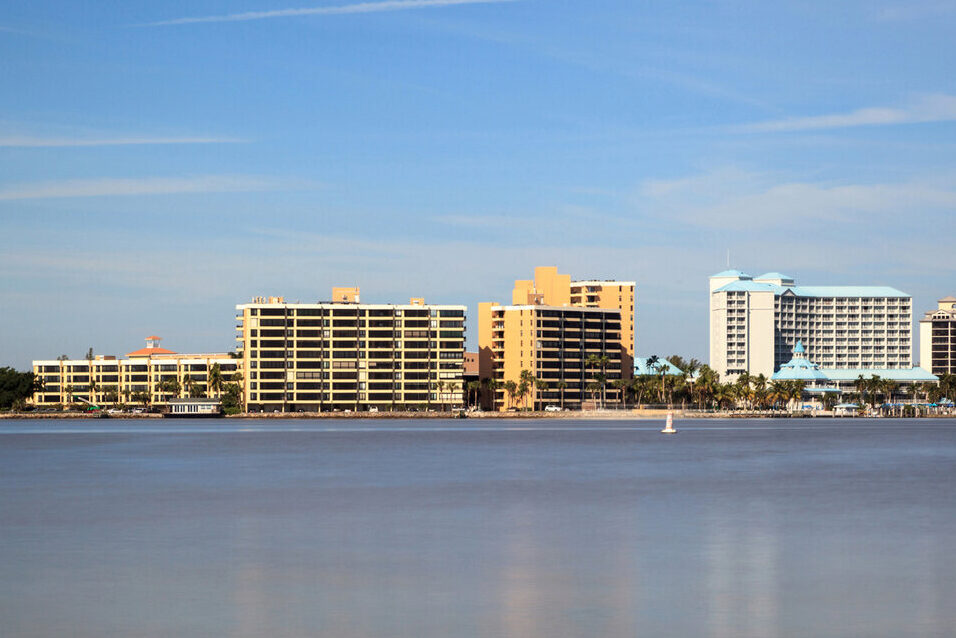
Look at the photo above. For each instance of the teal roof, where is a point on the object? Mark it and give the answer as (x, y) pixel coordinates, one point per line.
(747, 285)
(732, 273)
(894, 374)
(641, 369)
(799, 368)
(774, 275)
(847, 291)
(813, 291)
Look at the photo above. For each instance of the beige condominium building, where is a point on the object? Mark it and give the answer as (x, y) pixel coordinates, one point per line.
(136, 379)
(756, 322)
(348, 355)
(567, 335)
(937, 338)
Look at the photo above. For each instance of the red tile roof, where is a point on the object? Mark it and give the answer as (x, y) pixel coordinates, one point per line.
(145, 352)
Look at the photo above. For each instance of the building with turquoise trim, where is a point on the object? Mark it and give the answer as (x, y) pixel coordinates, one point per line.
(819, 380)
(755, 323)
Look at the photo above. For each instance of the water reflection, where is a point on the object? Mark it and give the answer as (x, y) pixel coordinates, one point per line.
(729, 532)
(742, 563)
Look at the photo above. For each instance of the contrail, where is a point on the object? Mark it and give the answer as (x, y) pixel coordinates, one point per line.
(362, 7)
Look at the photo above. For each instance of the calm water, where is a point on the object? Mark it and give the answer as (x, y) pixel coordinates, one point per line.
(460, 529)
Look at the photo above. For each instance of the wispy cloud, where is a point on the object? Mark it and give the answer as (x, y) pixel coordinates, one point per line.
(757, 202)
(361, 7)
(108, 187)
(912, 10)
(930, 108)
(29, 141)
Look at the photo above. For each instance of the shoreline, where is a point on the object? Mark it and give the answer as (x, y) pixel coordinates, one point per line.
(608, 415)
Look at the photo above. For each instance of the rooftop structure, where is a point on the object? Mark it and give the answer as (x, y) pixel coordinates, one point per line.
(642, 367)
(800, 368)
(152, 348)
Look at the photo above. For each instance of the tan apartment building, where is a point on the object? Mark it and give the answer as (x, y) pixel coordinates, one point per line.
(550, 288)
(557, 345)
(551, 328)
(109, 380)
(347, 355)
(937, 338)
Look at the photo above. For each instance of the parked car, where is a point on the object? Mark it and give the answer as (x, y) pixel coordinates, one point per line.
(553, 408)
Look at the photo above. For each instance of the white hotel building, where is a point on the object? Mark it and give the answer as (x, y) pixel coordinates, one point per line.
(755, 323)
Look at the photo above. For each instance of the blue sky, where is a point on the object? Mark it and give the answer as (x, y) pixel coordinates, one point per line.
(156, 169)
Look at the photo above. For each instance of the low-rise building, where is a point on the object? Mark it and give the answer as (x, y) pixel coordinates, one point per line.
(144, 377)
(820, 380)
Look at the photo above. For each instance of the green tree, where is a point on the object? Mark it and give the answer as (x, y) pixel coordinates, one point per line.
(562, 385)
(525, 385)
(215, 380)
(540, 386)
(16, 387)
(622, 386)
(473, 387)
(170, 387)
(512, 389)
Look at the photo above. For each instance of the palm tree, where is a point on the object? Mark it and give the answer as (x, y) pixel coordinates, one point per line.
(524, 389)
(540, 386)
(440, 385)
(236, 380)
(452, 389)
(593, 388)
(661, 369)
(473, 387)
(512, 389)
(603, 360)
(639, 385)
(215, 380)
(760, 389)
(493, 386)
(110, 394)
(562, 385)
(169, 386)
(592, 362)
(525, 385)
(861, 385)
(889, 388)
(622, 385)
(188, 384)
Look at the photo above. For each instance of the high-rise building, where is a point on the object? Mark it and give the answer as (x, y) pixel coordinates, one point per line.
(755, 323)
(552, 328)
(937, 338)
(346, 355)
(549, 288)
(566, 349)
(138, 378)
